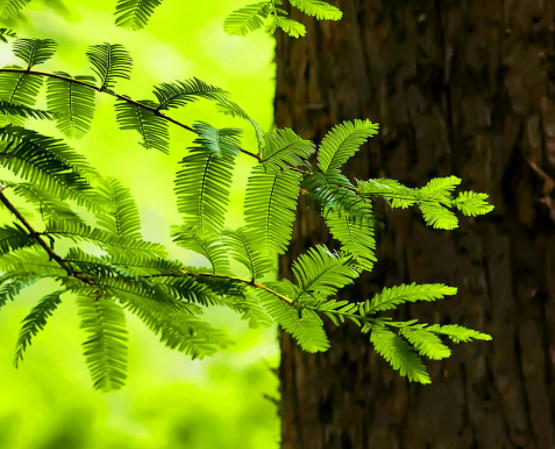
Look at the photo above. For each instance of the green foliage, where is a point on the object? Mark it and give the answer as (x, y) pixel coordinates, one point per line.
(19, 89)
(153, 129)
(283, 149)
(11, 8)
(109, 62)
(122, 218)
(105, 349)
(24, 111)
(181, 93)
(319, 9)
(400, 355)
(6, 33)
(342, 142)
(72, 103)
(34, 51)
(128, 274)
(202, 185)
(134, 14)
(247, 19)
(35, 322)
(270, 209)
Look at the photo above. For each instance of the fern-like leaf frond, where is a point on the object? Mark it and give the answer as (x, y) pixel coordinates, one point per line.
(181, 93)
(270, 205)
(135, 14)
(400, 355)
(18, 89)
(320, 273)
(342, 142)
(11, 285)
(106, 347)
(73, 105)
(305, 328)
(284, 148)
(247, 19)
(112, 243)
(240, 246)
(122, 218)
(203, 184)
(11, 8)
(390, 298)
(426, 343)
(13, 238)
(203, 244)
(318, 8)
(109, 62)
(34, 51)
(35, 322)
(152, 128)
(24, 111)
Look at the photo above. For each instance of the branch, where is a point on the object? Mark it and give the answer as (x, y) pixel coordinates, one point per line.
(37, 236)
(252, 283)
(154, 110)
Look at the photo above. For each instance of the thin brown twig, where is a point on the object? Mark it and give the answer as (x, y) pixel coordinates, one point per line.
(42, 243)
(128, 100)
(252, 283)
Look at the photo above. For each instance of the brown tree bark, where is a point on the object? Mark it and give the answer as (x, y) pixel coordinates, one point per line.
(463, 87)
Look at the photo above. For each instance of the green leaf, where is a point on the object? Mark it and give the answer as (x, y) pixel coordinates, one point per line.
(240, 246)
(306, 329)
(135, 14)
(48, 163)
(320, 273)
(73, 105)
(356, 236)
(18, 89)
(284, 148)
(11, 8)
(399, 355)
(247, 19)
(319, 9)
(14, 238)
(153, 128)
(181, 93)
(270, 205)
(426, 343)
(35, 322)
(49, 206)
(472, 204)
(30, 261)
(34, 51)
(106, 347)
(6, 33)
(439, 188)
(114, 244)
(203, 184)
(13, 283)
(457, 333)
(342, 142)
(232, 109)
(23, 111)
(390, 298)
(203, 244)
(289, 26)
(109, 62)
(223, 142)
(185, 333)
(122, 218)
(438, 217)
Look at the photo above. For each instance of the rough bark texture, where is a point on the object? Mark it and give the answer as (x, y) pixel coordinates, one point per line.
(463, 87)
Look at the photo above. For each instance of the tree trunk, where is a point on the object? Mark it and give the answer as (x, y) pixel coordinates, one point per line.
(459, 87)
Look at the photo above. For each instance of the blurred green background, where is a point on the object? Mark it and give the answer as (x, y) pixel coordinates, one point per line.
(169, 401)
